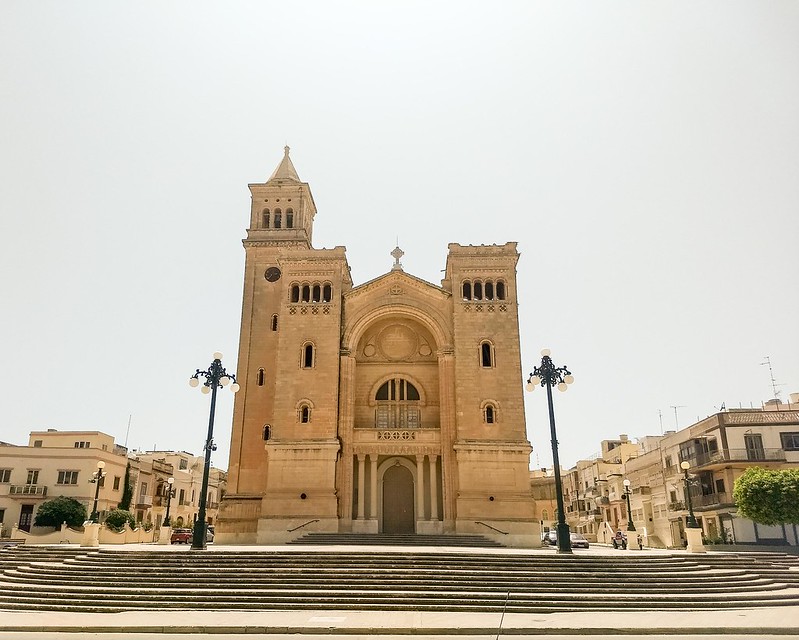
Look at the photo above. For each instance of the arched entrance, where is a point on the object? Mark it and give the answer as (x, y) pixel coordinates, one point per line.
(398, 499)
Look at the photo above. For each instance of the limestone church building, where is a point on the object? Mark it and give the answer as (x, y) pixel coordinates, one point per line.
(391, 406)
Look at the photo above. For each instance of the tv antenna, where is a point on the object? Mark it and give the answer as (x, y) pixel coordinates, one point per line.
(660, 415)
(675, 407)
(774, 384)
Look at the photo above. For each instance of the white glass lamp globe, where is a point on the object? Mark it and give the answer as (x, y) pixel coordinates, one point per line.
(530, 386)
(545, 352)
(235, 387)
(170, 481)
(217, 355)
(626, 482)
(569, 379)
(206, 389)
(101, 465)
(193, 382)
(685, 465)
(224, 381)
(562, 386)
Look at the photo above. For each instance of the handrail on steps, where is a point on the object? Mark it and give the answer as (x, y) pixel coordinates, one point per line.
(302, 525)
(504, 533)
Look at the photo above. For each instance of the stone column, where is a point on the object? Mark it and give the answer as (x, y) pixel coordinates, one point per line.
(346, 424)
(433, 488)
(449, 471)
(373, 482)
(361, 485)
(420, 488)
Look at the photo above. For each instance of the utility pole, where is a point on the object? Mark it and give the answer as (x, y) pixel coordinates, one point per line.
(774, 384)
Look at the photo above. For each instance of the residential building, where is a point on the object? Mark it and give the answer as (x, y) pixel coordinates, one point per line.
(56, 463)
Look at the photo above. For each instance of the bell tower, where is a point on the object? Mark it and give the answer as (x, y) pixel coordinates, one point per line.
(282, 207)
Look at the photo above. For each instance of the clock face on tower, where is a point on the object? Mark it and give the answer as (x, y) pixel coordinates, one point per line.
(272, 274)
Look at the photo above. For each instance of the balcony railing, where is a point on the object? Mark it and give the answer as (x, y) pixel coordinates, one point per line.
(143, 502)
(737, 455)
(603, 500)
(711, 499)
(27, 490)
(679, 505)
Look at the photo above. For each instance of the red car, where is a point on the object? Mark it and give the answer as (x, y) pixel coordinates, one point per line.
(182, 536)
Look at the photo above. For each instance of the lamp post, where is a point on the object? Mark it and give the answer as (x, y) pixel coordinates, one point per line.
(215, 377)
(630, 525)
(169, 493)
(97, 478)
(547, 375)
(690, 522)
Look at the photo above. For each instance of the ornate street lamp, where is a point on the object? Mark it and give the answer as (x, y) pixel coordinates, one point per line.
(169, 493)
(690, 522)
(630, 525)
(548, 375)
(97, 478)
(215, 377)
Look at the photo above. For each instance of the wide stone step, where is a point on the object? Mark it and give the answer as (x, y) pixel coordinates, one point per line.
(465, 540)
(116, 580)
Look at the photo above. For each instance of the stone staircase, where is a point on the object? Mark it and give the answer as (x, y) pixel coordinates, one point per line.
(398, 540)
(538, 581)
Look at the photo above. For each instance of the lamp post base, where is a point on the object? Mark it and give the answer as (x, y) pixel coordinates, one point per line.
(91, 535)
(165, 535)
(694, 537)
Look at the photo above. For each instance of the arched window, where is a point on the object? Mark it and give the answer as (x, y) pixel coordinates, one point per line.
(305, 414)
(486, 354)
(545, 515)
(289, 218)
(327, 293)
(397, 405)
(489, 414)
(478, 290)
(267, 433)
(278, 218)
(467, 290)
(295, 293)
(259, 378)
(265, 219)
(306, 293)
(500, 290)
(316, 293)
(308, 356)
(489, 290)
(274, 322)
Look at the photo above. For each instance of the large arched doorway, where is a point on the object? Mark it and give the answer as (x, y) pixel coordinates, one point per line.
(398, 512)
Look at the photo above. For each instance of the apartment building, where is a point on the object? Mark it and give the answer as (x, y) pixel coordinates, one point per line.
(717, 450)
(64, 463)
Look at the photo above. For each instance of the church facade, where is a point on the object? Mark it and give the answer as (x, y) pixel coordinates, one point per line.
(393, 406)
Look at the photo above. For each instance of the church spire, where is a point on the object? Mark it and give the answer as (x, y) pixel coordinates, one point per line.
(285, 170)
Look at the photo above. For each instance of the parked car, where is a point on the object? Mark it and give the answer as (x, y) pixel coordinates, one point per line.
(619, 540)
(209, 533)
(181, 536)
(550, 537)
(578, 541)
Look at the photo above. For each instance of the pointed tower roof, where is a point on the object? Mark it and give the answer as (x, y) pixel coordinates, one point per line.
(285, 170)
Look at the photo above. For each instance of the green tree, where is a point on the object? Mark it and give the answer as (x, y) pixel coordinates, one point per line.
(117, 518)
(768, 497)
(127, 491)
(61, 509)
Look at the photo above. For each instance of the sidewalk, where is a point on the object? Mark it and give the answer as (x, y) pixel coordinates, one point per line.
(762, 621)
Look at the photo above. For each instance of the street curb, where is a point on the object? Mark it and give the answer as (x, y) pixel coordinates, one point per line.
(405, 631)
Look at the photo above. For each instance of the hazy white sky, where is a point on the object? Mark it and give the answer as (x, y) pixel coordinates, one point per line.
(644, 155)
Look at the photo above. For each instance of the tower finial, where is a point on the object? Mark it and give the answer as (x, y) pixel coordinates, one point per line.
(286, 150)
